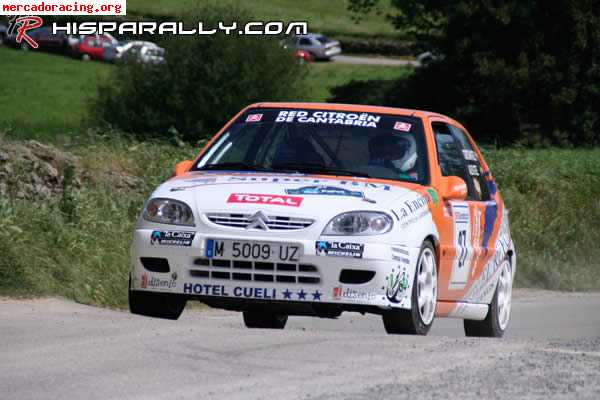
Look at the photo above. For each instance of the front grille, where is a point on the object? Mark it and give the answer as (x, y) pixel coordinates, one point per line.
(273, 222)
(257, 271)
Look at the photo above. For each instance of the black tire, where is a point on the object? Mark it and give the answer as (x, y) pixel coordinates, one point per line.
(490, 326)
(409, 322)
(157, 305)
(254, 319)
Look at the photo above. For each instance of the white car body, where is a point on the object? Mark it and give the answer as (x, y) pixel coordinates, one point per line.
(208, 193)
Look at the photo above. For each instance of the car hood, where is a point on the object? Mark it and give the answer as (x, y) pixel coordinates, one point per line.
(291, 194)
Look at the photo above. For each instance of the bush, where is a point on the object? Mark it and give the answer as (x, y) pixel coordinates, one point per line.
(376, 45)
(513, 70)
(206, 80)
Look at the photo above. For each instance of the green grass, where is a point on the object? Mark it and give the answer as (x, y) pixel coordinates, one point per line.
(554, 200)
(81, 252)
(43, 95)
(330, 17)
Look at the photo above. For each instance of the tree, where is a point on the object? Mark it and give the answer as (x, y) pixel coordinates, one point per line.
(514, 70)
(205, 81)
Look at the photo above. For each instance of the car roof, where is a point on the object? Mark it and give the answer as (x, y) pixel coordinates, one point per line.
(356, 108)
(309, 35)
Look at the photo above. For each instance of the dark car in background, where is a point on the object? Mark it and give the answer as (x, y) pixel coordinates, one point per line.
(46, 40)
(3, 33)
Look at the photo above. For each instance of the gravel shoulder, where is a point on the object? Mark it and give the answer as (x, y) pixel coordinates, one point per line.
(56, 349)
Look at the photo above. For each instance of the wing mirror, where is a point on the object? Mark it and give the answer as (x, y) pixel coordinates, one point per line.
(182, 167)
(453, 188)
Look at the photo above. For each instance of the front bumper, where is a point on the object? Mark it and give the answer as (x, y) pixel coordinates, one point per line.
(314, 279)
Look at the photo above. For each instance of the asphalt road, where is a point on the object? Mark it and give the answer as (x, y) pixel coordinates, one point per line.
(55, 349)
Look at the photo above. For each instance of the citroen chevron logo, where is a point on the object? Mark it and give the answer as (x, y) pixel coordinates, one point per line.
(258, 221)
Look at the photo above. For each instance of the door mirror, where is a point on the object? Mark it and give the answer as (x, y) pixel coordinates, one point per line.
(183, 167)
(453, 188)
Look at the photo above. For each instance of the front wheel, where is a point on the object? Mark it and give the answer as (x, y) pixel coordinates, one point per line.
(496, 321)
(254, 319)
(157, 305)
(417, 320)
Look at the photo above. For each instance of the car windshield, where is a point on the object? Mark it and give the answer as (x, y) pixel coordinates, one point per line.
(322, 142)
(323, 39)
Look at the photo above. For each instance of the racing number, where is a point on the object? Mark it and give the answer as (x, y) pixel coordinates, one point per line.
(463, 250)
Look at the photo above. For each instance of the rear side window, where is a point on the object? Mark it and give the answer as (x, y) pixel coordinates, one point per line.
(473, 164)
(451, 158)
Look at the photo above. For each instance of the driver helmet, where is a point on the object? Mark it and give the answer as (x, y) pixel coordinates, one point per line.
(399, 150)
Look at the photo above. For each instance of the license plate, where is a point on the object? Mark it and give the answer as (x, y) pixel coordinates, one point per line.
(255, 251)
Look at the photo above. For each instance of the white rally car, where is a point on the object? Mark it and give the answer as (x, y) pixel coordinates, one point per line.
(315, 209)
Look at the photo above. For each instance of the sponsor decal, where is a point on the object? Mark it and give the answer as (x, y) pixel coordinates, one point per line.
(412, 210)
(469, 155)
(271, 199)
(397, 285)
(251, 292)
(253, 177)
(144, 281)
(402, 126)
(473, 170)
(337, 293)
(341, 293)
(339, 249)
(329, 117)
(172, 238)
(254, 118)
(325, 191)
(158, 283)
(433, 196)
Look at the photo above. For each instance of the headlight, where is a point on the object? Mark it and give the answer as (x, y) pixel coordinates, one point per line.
(359, 223)
(168, 211)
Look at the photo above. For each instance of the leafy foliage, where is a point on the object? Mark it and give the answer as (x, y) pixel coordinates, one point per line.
(206, 80)
(513, 70)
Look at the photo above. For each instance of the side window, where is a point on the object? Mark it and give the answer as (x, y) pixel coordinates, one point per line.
(305, 42)
(473, 164)
(451, 159)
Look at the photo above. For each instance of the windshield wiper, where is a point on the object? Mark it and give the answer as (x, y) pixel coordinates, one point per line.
(318, 168)
(235, 166)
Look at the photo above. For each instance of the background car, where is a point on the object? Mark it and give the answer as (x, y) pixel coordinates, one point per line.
(320, 47)
(143, 53)
(46, 40)
(125, 45)
(95, 47)
(3, 33)
(302, 56)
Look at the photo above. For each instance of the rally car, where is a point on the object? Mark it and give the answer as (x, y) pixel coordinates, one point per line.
(316, 209)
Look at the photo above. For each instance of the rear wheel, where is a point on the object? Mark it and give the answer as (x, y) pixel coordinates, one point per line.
(86, 57)
(417, 320)
(254, 319)
(496, 321)
(157, 305)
